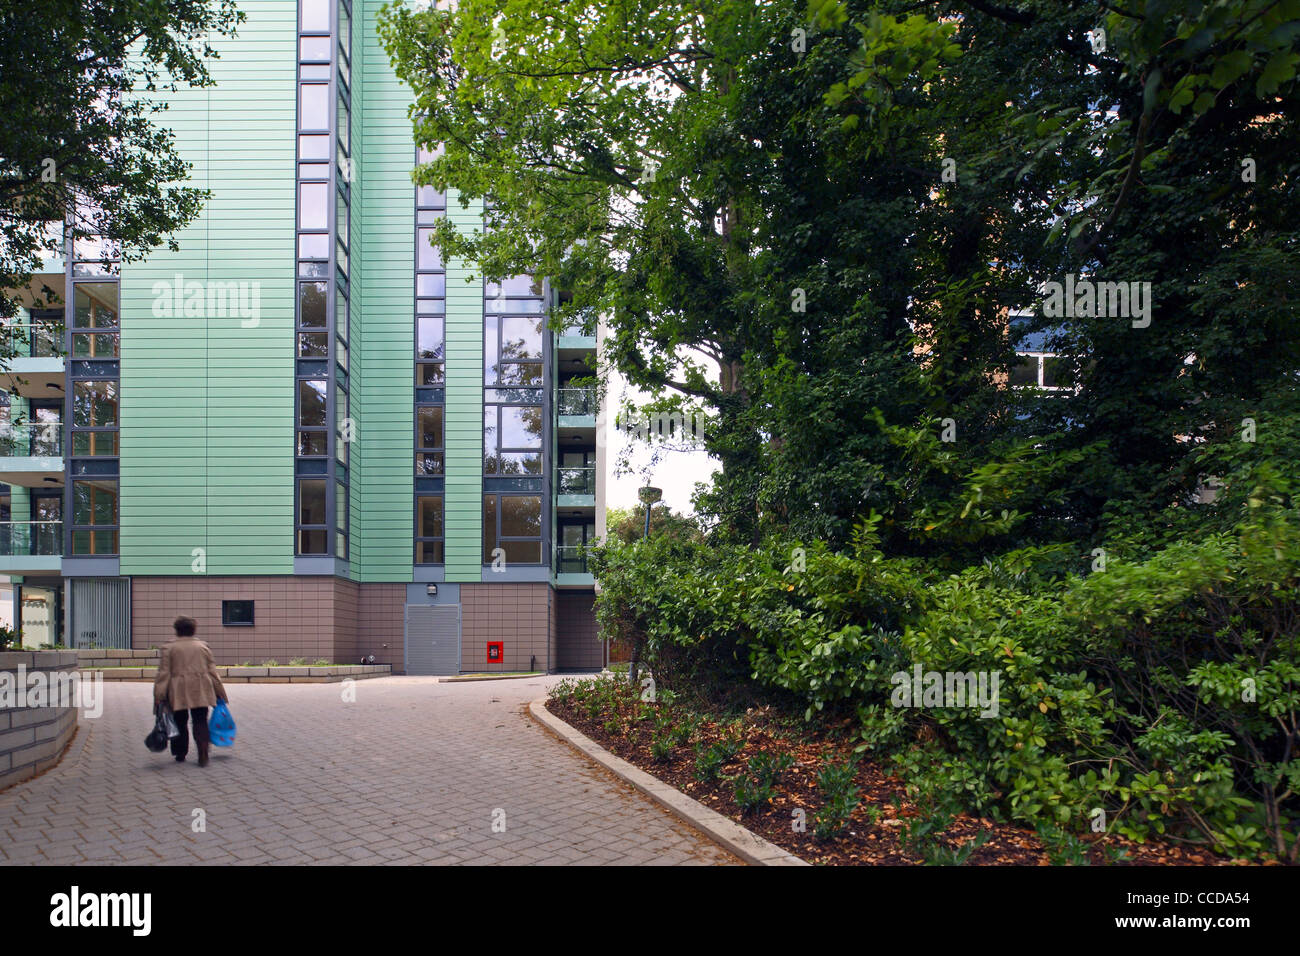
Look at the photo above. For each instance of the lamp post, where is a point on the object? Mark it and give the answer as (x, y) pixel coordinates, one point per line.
(649, 495)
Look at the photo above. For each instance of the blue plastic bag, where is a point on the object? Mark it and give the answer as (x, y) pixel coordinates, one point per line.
(221, 726)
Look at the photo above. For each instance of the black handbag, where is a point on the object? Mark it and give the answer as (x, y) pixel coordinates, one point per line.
(164, 728)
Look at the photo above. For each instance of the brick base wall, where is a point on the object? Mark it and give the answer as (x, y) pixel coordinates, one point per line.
(292, 616)
(32, 739)
(577, 645)
(381, 628)
(324, 617)
(518, 615)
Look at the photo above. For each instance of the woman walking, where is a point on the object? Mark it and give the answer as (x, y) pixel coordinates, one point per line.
(187, 679)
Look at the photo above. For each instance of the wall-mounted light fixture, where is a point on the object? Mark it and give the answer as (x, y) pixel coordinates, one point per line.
(432, 590)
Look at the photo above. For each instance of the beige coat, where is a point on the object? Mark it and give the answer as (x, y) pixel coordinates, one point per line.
(187, 675)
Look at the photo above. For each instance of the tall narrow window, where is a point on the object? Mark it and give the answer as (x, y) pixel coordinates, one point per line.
(514, 432)
(91, 409)
(323, 256)
(430, 375)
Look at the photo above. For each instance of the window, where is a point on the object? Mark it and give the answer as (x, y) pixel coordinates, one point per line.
(512, 350)
(313, 533)
(315, 15)
(94, 444)
(512, 523)
(311, 305)
(94, 404)
(94, 345)
(314, 49)
(340, 520)
(428, 529)
(342, 433)
(95, 305)
(93, 493)
(313, 203)
(429, 343)
(320, 343)
(314, 106)
(512, 439)
(428, 440)
(430, 373)
(313, 245)
(1039, 369)
(313, 147)
(94, 516)
(311, 403)
(236, 613)
(570, 553)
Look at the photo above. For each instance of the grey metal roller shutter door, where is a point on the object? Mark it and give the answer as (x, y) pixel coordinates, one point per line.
(101, 612)
(432, 640)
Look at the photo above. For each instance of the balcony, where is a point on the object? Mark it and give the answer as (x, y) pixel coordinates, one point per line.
(37, 367)
(572, 341)
(575, 488)
(575, 417)
(31, 455)
(575, 402)
(575, 481)
(31, 547)
(570, 559)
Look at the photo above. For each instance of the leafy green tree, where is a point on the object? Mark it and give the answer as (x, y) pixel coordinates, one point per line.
(839, 204)
(79, 94)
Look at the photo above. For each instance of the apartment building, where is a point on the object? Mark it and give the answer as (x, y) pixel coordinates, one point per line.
(305, 429)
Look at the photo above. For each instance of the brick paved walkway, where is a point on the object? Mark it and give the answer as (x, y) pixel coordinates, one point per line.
(412, 772)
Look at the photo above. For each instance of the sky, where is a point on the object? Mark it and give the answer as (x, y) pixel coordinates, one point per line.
(676, 472)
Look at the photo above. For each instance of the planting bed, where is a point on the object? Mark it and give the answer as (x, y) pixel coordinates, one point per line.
(887, 826)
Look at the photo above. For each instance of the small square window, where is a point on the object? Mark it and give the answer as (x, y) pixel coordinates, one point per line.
(236, 613)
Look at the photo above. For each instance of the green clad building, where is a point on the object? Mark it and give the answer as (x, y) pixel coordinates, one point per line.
(304, 429)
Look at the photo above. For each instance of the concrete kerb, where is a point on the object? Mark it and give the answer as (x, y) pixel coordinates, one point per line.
(725, 832)
(469, 678)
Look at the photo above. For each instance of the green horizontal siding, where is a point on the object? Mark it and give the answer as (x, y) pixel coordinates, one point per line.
(208, 403)
(383, 224)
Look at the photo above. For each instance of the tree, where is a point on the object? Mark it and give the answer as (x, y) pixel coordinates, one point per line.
(840, 203)
(81, 141)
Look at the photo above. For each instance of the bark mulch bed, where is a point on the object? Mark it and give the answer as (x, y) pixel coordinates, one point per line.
(873, 835)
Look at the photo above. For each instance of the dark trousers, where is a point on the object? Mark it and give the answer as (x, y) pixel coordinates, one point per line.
(181, 742)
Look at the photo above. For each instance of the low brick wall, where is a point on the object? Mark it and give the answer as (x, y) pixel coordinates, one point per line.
(118, 665)
(32, 739)
(112, 657)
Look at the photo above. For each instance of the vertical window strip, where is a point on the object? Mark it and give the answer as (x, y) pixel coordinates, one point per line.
(320, 219)
(430, 303)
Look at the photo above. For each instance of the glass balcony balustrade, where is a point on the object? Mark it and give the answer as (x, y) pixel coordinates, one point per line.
(575, 401)
(31, 440)
(22, 539)
(570, 559)
(576, 481)
(32, 339)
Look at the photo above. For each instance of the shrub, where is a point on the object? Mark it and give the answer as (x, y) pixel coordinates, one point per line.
(840, 796)
(756, 788)
(709, 762)
(1163, 690)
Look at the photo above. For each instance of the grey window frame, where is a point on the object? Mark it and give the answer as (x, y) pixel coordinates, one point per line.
(427, 396)
(252, 616)
(332, 271)
(104, 467)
